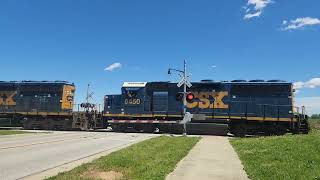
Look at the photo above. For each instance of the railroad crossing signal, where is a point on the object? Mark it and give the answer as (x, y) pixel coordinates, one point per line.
(184, 81)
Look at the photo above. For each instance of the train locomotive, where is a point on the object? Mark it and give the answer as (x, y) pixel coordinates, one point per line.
(238, 107)
(44, 105)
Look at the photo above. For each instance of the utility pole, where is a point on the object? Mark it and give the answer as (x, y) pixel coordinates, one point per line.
(87, 97)
(184, 87)
(185, 96)
(185, 82)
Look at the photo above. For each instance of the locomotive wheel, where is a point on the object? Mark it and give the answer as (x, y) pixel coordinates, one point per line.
(239, 129)
(118, 128)
(148, 128)
(280, 130)
(26, 124)
(275, 130)
(176, 129)
(164, 128)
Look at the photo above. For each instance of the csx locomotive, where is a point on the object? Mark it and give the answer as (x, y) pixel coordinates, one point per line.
(239, 107)
(35, 96)
(44, 105)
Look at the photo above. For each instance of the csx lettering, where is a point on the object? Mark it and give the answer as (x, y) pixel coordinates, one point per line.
(6, 98)
(202, 100)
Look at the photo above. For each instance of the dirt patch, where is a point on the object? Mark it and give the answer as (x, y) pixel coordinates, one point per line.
(110, 175)
(317, 126)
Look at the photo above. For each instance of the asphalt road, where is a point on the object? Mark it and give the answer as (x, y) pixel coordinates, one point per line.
(22, 156)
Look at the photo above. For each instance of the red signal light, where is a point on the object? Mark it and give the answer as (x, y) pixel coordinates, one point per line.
(190, 97)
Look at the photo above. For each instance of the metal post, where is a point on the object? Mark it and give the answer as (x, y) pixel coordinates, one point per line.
(87, 97)
(185, 97)
(184, 81)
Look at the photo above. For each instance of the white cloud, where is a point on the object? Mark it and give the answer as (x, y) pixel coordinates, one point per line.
(213, 66)
(312, 104)
(113, 67)
(251, 15)
(259, 4)
(254, 8)
(300, 23)
(312, 83)
(298, 85)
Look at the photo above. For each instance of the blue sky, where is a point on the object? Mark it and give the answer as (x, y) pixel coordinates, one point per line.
(244, 39)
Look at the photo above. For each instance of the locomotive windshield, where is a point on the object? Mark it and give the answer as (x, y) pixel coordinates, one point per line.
(131, 96)
(131, 92)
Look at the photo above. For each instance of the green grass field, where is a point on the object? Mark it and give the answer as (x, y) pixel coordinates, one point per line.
(150, 159)
(283, 157)
(12, 132)
(315, 124)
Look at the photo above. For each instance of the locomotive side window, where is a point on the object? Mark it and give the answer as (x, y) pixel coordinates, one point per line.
(132, 96)
(132, 93)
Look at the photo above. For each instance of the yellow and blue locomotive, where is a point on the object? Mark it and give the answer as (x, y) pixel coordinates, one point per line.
(38, 104)
(238, 107)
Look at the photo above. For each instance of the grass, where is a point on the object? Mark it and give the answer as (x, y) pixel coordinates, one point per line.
(315, 124)
(150, 159)
(12, 132)
(283, 157)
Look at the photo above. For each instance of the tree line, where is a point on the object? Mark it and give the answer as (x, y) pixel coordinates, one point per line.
(315, 116)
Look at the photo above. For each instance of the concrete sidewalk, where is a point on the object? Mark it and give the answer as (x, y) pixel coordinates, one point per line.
(213, 158)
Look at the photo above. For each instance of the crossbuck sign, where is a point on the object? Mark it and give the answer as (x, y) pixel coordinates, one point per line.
(184, 81)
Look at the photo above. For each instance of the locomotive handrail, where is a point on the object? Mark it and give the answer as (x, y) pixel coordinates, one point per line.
(278, 113)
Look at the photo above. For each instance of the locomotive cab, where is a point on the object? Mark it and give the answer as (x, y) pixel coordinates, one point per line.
(130, 101)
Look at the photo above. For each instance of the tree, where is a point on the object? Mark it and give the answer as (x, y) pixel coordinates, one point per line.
(315, 116)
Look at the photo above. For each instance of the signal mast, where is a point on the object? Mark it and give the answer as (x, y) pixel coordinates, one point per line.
(87, 106)
(186, 83)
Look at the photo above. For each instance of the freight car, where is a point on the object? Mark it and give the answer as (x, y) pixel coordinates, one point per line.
(44, 105)
(238, 107)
